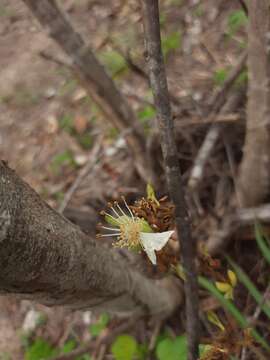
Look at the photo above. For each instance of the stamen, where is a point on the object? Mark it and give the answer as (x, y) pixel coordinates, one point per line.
(114, 219)
(116, 203)
(109, 228)
(113, 209)
(106, 235)
(128, 207)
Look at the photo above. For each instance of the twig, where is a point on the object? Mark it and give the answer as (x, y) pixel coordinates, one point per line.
(133, 95)
(56, 60)
(130, 62)
(244, 6)
(219, 239)
(219, 97)
(105, 339)
(92, 159)
(259, 306)
(155, 333)
(221, 119)
(210, 141)
(216, 103)
(159, 86)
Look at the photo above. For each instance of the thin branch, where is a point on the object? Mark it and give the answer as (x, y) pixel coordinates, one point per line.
(219, 97)
(216, 105)
(92, 159)
(210, 140)
(231, 222)
(244, 6)
(258, 309)
(55, 59)
(159, 86)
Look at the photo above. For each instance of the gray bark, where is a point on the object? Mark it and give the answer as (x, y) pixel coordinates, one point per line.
(45, 258)
(254, 177)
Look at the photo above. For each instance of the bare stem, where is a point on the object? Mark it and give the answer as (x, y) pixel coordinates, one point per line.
(159, 86)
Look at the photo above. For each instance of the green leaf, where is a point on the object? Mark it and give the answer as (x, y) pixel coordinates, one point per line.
(236, 20)
(98, 327)
(261, 241)
(242, 78)
(68, 347)
(220, 76)
(151, 193)
(84, 357)
(172, 349)
(85, 140)
(65, 158)
(124, 347)
(113, 62)
(243, 277)
(203, 349)
(233, 310)
(39, 350)
(147, 113)
(66, 123)
(214, 319)
(171, 42)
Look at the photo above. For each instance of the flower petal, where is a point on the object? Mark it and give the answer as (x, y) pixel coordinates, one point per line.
(151, 255)
(154, 241)
(223, 287)
(232, 277)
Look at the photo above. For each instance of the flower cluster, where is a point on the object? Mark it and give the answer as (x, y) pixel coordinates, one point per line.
(134, 232)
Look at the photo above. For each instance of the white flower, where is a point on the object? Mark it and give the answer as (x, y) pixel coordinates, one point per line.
(133, 232)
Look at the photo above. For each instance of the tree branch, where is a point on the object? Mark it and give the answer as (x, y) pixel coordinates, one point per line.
(92, 74)
(158, 81)
(254, 176)
(45, 258)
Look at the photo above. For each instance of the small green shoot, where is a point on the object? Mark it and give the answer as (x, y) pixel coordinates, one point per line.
(125, 347)
(61, 160)
(220, 76)
(242, 78)
(150, 192)
(171, 42)
(66, 123)
(236, 21)
(172, 349)
(68, 347)
(85, 140)
(114, 62)
(96, 328)
(262, 242)
(39, 350)
(146, 114)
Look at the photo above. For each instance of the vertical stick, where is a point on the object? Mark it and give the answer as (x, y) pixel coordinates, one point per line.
(159, 86)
